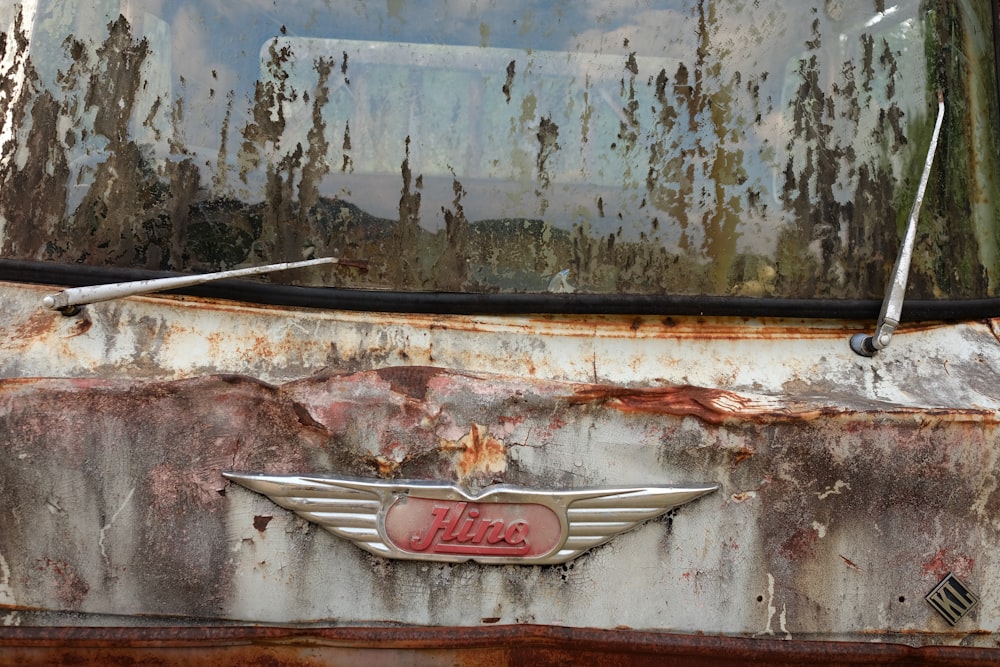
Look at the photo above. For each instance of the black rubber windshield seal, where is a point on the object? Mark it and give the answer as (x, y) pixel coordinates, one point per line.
(453, 303)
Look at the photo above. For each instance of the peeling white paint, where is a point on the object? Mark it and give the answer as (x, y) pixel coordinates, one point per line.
(307, 577)
(6, 592)
(834, 490)
(174, 347)
(783, 622)
(771, 609)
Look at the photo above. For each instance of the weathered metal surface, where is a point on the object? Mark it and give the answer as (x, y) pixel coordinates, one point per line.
(937, 365)
(838, 510)
(511, 646)
(849, 487)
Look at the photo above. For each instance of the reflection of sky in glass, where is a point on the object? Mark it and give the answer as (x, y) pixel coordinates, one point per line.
(623, 154)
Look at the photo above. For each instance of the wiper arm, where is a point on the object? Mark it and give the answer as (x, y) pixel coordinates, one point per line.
(69, 300)
(892, 304)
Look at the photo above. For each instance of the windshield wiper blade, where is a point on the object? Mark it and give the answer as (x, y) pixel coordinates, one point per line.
(892, 304)
(69, 300)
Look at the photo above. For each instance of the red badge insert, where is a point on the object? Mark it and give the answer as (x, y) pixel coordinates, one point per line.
(453, 527)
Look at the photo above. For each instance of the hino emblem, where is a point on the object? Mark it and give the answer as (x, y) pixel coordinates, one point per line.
(419, 520)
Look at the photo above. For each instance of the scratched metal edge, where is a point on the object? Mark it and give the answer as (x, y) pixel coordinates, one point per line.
(652, 400)
(82, 645)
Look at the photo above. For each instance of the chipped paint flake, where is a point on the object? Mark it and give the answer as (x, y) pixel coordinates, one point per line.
(771, 609)
(6, 592)
(783, 622)
(834, 490)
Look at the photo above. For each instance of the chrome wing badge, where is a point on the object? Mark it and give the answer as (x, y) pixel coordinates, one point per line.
(417, 520)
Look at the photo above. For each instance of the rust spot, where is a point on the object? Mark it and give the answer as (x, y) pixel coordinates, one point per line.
(941, 563)
(479, 452)
(305, 418)
(409, 380)
(716, 406)
(386, 466)
(800, 545)
(495, 645)
(81, 325)
(260, 521)
(70, 587)
(37, 326)
(491, 619)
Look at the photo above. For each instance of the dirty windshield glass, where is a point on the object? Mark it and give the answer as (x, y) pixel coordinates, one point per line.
(679, 147)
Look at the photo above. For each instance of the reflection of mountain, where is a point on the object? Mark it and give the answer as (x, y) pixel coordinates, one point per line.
(502, 254)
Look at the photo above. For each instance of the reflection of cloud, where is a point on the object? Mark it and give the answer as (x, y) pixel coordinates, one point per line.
(215, 45)
(134, 9)
(206, 77)
(651, 33)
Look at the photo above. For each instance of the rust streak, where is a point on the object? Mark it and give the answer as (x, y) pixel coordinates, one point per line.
(851, 564)
(480, 453)
(742, 455)
(716, 406)
(711, 405)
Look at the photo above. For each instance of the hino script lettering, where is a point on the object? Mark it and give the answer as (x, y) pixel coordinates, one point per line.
(464, 531)
(431, 527)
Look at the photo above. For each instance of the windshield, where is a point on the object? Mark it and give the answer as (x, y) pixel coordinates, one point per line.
(683, 147)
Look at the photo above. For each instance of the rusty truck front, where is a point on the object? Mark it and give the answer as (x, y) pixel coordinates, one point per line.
(499, 333)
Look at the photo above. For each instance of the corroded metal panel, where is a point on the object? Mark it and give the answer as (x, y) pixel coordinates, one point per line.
(726, 157)
(162, 337)
(832, 521)
(850, 487)
(513, 646)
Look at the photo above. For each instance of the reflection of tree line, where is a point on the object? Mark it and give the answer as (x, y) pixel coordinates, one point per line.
(957, 244)
(847, 248)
